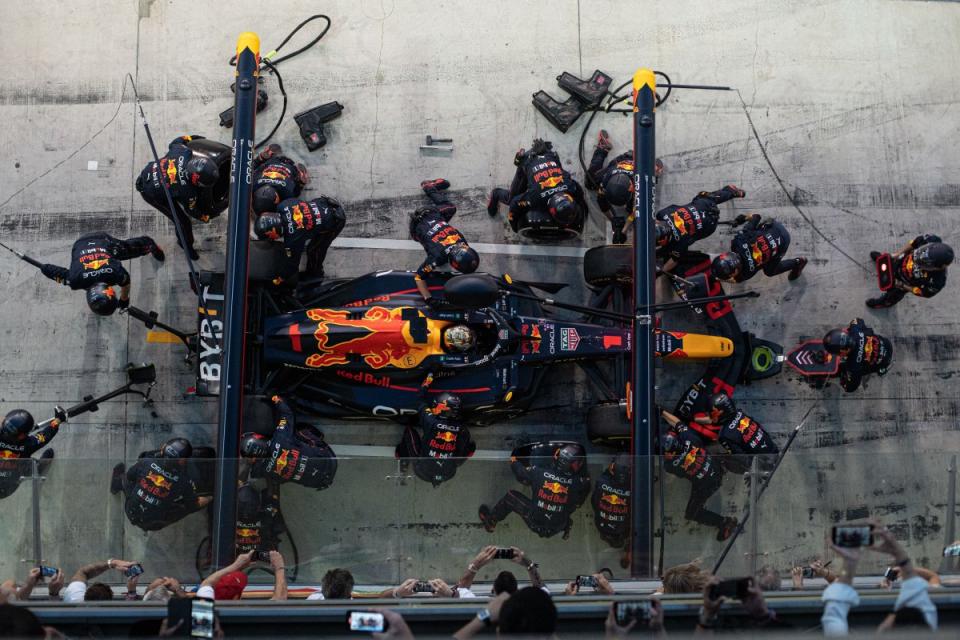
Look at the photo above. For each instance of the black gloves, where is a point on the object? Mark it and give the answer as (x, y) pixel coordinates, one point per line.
(123, 304)
(60, 413)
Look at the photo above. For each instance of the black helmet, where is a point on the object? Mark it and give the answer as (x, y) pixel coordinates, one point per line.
(269, 226)
(569, 458)
(617, 189)
(562, 208)
(254, 445)
(670, 442)
(664, 233)
(102, 299)
(463, 258)
(447, 404)
(248, 502)
(265, 198)
(723, 403)
(836, 340)
(18, 422)
(176, 448)
(933, 256)
(725, 266)
(203, 171)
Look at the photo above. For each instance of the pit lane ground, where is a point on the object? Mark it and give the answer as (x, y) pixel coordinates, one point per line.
(855, 103)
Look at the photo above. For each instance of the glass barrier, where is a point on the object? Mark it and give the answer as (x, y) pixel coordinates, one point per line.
(386, 521)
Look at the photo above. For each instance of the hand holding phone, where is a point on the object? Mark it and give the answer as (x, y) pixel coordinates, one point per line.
(423, 586)
(47, 572)
(503, 553)
(586, 581)
(133, 570)
(366, 621)
(736, 588)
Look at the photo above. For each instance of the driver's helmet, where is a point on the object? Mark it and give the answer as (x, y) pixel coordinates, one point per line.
(459, 338)
(569, 458)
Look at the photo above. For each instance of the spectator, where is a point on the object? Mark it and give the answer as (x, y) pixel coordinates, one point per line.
(528, 611)
(20, 622)
(11, 591)
(78, 590)
(162, 589)
(602, 584)
(768, 578)
(758, 614)
(685, 578)
(614, 630)
(337, 584)
(912, 608)
(505, 580)
(932, 577)
(228, 583)
(485, 617)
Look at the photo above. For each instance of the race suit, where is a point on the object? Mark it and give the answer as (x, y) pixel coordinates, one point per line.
(298, 455)
(95, 259)
(15, 456)
(438, 449)
(555, 497)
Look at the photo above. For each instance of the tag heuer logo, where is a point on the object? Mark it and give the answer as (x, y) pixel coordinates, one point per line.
(569, 339)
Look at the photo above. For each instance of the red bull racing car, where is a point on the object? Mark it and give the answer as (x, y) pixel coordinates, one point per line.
(371, 347)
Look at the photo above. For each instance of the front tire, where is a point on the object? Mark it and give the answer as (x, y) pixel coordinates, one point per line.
(608, 264)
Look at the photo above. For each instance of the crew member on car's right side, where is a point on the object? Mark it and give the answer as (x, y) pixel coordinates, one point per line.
(919, 268)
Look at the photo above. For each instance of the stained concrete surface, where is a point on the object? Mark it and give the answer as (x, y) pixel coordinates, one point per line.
(856, 105)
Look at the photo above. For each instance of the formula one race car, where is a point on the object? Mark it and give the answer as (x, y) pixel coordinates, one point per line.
(371, 347)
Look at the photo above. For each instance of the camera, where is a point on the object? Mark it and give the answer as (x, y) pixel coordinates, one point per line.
(808, 572)
(503, 553)
(423, 587)
(892, 574)
(852, 536)
(262, 555)
(587, 581)
(628, 611)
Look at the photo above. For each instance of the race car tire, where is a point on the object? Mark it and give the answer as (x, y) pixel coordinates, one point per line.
(608, 264)
(266, 260)
(607, 425)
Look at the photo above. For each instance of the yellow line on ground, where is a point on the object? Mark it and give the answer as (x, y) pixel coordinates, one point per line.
(162, 337)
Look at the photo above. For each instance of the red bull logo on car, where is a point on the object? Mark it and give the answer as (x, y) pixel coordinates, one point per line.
(377, 338)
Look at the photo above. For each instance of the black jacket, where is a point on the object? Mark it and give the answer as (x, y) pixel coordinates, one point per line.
(297, 456)
(93, 260)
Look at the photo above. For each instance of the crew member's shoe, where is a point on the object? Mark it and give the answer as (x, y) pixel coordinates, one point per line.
(116, 480)
(497, 196)
(726, 529)
(486, 517)
(875, 303)
(158, 254)
(439, 184)
(797, 270)
(875, 255)
(603, 140)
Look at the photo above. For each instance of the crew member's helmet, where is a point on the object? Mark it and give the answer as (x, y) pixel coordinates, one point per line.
(102, 299)
(934, 256)
(562, 208)
(836, 340)
(176, 448)
(265, 199)
(268, 226)
(254, 445)
(459, 338)
(463, 258)
(670, 442)
(203, 171)
(568, 458)
(725, 266)
(721, 406)
(447, 405)
(17, 423)
(664, 234)
(618, 188)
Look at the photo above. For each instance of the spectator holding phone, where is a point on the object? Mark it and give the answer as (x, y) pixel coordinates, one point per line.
(913, 605)
(505, 580)
(11, 591)
(597, 581)
(228, 583)
(892, 574)
(816, 569)
(78, 590)
(689, 577)
(748, 592)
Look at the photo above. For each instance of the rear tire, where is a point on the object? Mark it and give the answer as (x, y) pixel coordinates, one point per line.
(266, 260)
(612, 263)
(607, 425)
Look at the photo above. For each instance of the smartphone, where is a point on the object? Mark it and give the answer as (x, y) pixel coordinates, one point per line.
(628, 611)
(735, 588)
(808, 572)
(503, 553)
(47, 572)
(587, 581)
(423, 587)
(133, 570)
(201, 618)
(366, 621)
(850, 536)
(892, 574)
(263, 556)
